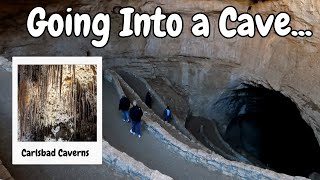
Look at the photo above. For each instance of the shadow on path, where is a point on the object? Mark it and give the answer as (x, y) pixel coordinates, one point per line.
(147, 149)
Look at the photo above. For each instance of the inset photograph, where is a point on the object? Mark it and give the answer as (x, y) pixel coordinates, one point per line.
(57, 102)
(56, 110)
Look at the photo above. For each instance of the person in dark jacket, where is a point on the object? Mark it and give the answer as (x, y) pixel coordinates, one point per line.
(135, 115)
(124, 106)
(167, 114)
(148, 100)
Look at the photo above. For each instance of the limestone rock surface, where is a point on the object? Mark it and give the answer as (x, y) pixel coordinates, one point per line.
(204, 68)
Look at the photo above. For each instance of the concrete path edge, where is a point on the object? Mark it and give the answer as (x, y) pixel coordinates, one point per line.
(212, 161)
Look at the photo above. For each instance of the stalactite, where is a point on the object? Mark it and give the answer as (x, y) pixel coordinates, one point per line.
(36, 85)
(75, 98)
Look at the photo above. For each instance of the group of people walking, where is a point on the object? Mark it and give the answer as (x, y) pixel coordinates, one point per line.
(135, 113)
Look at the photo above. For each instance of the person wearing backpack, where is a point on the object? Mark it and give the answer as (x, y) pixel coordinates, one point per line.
(167, 114)
(135, 114)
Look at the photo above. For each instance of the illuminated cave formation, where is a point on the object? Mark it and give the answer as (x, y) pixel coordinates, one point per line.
(57, 102)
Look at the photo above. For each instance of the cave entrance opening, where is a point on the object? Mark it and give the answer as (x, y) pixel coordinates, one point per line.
(269, 127)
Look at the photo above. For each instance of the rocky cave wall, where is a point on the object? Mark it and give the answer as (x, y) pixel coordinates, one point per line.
(204, 68)
(57, 102)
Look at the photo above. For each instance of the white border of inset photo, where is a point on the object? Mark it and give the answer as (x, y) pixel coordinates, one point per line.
(94, 148)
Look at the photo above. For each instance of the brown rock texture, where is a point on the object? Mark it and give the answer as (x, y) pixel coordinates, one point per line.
(204, 68)
(4, 173)
(57, 102)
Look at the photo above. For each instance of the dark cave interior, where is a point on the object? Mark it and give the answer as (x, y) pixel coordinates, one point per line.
(269, 127)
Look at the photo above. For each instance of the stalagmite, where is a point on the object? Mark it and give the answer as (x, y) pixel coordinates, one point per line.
(51, 96)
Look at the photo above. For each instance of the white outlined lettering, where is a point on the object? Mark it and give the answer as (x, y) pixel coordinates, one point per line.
(163, 24)
(246, 28)
(103, 32)
(174, 20)
(126, 24)
(202, 27)
(281, 24)
(248, 24)
(41, 25)
(157, 17)
(55, 18)
(264, 29)
(79, 24)
(69, 23)
(230, 12)
(142, 21)
(78, 20)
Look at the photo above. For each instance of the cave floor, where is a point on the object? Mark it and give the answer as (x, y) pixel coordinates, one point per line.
(148, 149)
(37, 171)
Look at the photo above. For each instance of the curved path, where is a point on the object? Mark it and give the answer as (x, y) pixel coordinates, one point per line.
(37, 171)
(147, 149)
(209, 136)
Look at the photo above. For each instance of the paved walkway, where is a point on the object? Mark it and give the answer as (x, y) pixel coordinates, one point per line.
(148, 149)
(35, 171)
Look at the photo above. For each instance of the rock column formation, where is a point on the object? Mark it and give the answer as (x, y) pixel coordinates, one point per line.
(57, 101)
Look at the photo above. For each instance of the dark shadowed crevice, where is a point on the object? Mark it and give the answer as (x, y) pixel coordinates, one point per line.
(269, 127)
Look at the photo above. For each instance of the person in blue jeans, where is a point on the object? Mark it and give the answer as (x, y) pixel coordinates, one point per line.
(167, 114)
(135, 114)
(124, 106)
